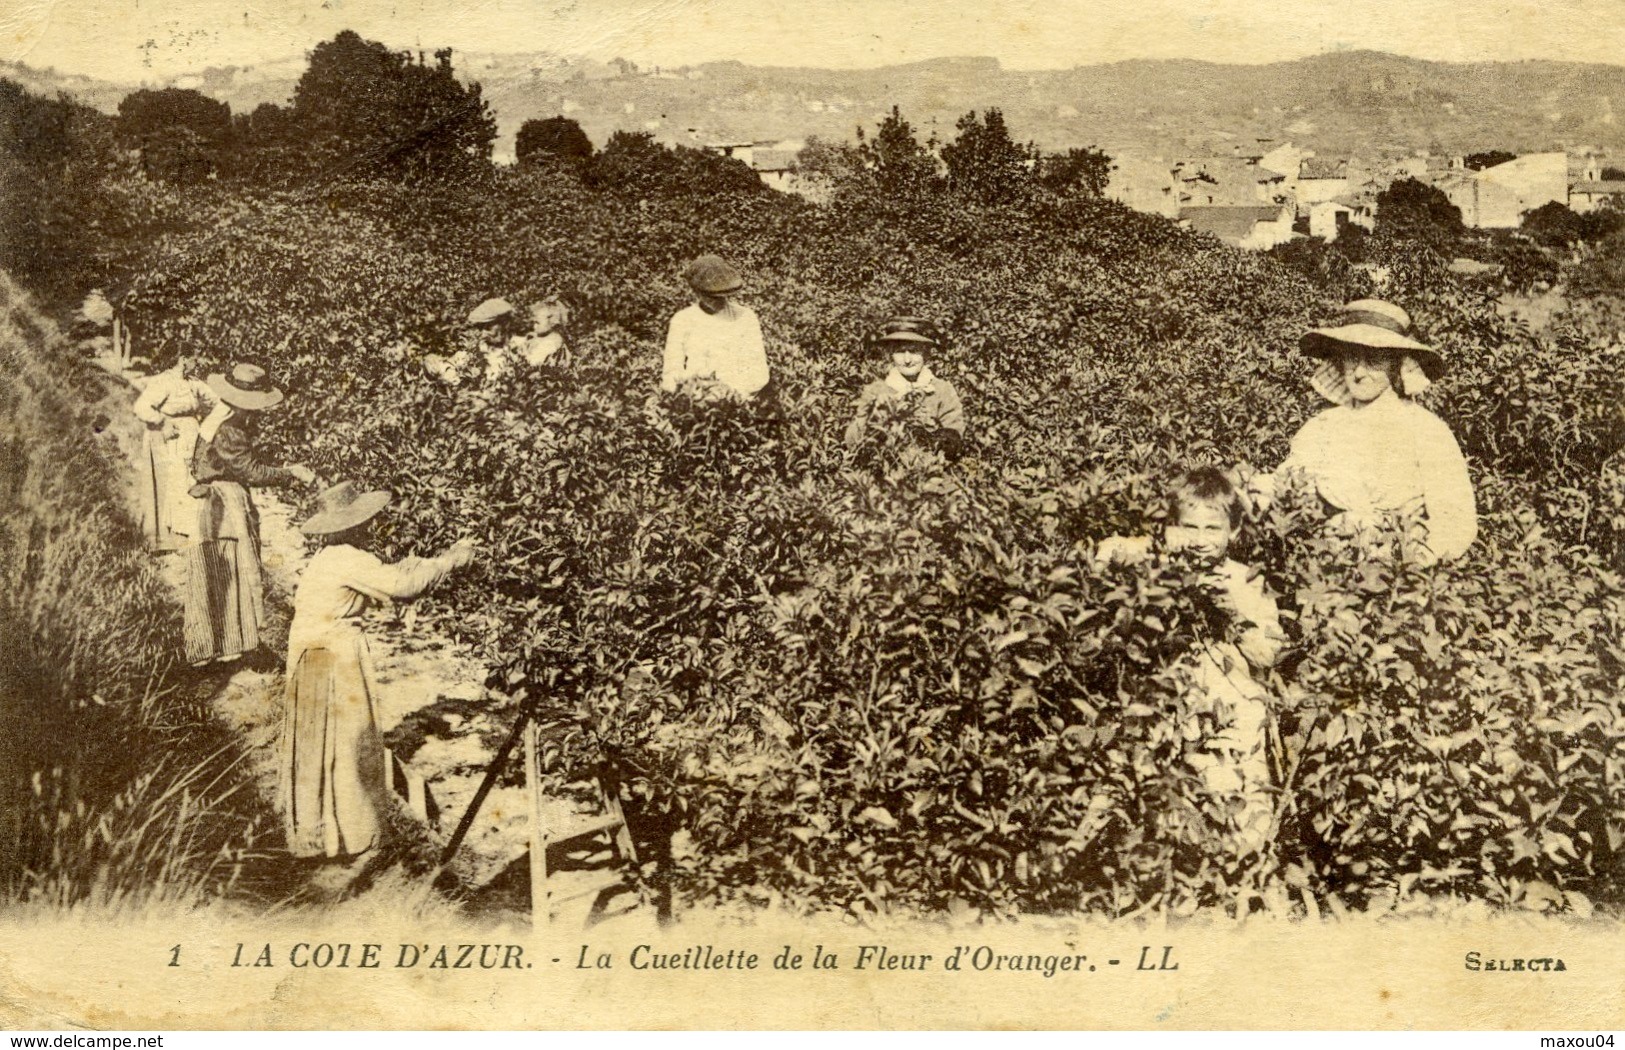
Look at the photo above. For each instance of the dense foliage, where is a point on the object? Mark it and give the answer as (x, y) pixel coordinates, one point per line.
(557, 137)
(875, 679)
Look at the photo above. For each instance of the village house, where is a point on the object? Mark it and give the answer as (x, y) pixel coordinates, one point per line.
(773, 161)
(1328, 219)
(742, 151)
(1497, 197)
(1285, 159)
(1588, 190)
(1144, 184)
(1601, 193)
(1320, 181)
(1227, 182)
(775, 164)
(1256, 226)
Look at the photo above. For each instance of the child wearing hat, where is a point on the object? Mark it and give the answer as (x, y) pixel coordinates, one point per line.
(1376, 453)
(331, 757)
(715, 338)
(1204, 515)
(937, 413)
(225, 599)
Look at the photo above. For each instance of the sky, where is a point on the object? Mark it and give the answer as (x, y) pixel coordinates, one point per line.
(134, 40)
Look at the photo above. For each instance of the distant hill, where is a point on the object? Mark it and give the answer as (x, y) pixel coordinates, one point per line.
(1358, 102)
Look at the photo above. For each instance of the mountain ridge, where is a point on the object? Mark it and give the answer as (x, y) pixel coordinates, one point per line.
(1357, 102)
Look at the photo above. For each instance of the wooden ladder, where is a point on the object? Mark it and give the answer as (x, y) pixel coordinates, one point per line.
(545, 834)
(609, 823)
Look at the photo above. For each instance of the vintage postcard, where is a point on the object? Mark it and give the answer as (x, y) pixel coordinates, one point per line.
(875, 515)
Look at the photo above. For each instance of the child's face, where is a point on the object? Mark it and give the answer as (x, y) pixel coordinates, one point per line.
(1202, 528)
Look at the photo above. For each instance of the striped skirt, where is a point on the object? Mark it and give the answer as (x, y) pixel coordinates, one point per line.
(225, 600)
(332, 783)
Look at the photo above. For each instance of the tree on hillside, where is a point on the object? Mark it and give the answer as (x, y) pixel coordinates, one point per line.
(1085, 171)
(1413, 210)
(180, 132)
(896, 158)
(364, 108)
(984, 163)
(1487, 159)
(1614, 174)
(54, 155)
(558, 137)
(1554, 225)
(145, 112)
(632, 161)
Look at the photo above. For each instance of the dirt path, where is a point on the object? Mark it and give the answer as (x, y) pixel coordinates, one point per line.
(432, 708)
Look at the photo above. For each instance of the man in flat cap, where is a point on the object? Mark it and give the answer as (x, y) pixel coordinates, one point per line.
(715, 338)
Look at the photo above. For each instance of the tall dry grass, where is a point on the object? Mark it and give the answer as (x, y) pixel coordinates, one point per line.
(117, 788)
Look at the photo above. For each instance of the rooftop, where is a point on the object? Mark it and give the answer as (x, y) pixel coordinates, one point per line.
(1229, 223)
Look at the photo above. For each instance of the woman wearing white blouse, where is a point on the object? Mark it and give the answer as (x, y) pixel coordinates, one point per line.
(715, 338)
(171, 405)
(1377, 453)
(332, 760)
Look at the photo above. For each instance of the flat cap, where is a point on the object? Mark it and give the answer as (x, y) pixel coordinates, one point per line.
(490, 310)
(713, 275)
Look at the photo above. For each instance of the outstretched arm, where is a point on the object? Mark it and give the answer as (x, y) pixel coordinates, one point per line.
(407, 578)
(242, 462)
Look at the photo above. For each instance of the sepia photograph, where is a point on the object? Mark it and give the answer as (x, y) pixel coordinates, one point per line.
(644, 514)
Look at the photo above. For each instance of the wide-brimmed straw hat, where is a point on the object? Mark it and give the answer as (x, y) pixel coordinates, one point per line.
(489, 311)
(247, 387)
(344, 506)
(1372, 324)
(712, 274)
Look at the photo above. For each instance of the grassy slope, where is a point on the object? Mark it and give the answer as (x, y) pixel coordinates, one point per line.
(116, 786)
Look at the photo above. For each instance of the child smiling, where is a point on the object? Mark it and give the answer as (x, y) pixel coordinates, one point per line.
(1204, 515)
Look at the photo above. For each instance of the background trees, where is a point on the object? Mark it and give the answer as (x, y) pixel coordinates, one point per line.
(179, 132)
(1413, 210)
(555, 137)
(984, 163)
(363, 108)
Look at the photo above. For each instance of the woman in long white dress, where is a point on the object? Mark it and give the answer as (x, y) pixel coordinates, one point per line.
(172, 405)
(332, 761)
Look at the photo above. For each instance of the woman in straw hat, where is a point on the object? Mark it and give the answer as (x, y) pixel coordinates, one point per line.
(1376, 453)
(225, 601)
(332, 769)
(715, 338)
(938, 416)
(172, 404)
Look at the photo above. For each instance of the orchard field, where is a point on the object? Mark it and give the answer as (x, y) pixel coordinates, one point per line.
(878, 680)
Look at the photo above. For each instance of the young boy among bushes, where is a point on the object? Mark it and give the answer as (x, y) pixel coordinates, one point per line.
(1204, 515)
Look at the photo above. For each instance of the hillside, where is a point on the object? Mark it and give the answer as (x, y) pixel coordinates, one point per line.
(1360, 101)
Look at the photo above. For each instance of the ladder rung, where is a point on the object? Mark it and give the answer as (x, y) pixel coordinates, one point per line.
(591, 890)
(580, 830)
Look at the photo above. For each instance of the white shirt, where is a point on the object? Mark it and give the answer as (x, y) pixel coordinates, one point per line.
(726, 345)
(1391, 456)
